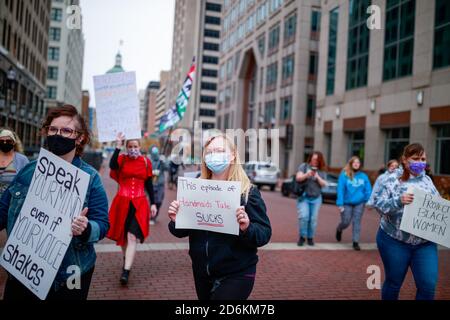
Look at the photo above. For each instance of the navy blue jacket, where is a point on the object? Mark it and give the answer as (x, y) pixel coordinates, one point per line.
(81, 249)
(217, 254)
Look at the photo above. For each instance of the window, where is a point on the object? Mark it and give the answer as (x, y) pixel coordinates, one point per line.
(212, 33)
(399, 39)
(271, 76)
(51, 93)
(55, 34)
(443, 150)
(209, 73)
(441, 56)
(213, 7)
(208, 99)
(229, 68)
(315, 21)
(358, 45)
(288, 68)
(286, 109)
(313, 64)
(269, 114)
(207, 113)
(207, 125)
(262, 44)
(211, 46)
(311, 108)
(212, 20)
(290, 26)
(53, 53)
(56, 14)
(211, 60)
(356, 145)
(332, 44)
(274, 38)
(52, 73)
(209, 86)
(396, 140)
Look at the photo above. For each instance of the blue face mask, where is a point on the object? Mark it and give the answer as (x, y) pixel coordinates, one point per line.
(417, 167)
(217, 162)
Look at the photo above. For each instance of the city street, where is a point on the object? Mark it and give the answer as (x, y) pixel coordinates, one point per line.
(162, 269)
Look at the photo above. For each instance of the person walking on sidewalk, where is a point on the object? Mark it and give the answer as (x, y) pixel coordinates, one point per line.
(391, 166)
(311, 174)
(159, 181)
(224, 266)
(353, 192)
(130, 213)
(400, 250)
(11, 158)
(66, 134)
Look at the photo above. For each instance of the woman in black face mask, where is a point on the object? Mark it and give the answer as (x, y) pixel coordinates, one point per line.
(11, 159)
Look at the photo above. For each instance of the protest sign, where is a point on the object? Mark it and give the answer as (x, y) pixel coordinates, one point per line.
(427, 217)
(117, 106)
(41, 235)
(208, 205)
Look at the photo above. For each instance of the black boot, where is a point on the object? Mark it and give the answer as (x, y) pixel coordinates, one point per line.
(338, 235)
(356, 246)
(301, 241)
(124, 277)
(310, 241)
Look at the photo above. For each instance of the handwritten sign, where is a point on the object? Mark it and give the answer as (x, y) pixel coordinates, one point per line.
(427, 217)
(41, 235)
(117, 106)
(208, 205)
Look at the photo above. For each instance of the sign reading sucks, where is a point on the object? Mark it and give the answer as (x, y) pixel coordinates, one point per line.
(427, 217)
(41, 235)
(208, 205)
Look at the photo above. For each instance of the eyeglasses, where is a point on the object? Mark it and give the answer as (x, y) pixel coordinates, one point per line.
(65, 132)
(9, 141)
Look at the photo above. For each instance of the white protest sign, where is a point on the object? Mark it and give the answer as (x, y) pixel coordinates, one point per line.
(427, 217)
(117, 106)
(41, 235)
(208, 205)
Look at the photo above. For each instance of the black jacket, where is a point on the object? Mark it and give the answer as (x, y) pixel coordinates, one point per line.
(217, 254)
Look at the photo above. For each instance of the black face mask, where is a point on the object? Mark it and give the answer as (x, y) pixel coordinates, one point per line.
(6, 147)
(60, 145)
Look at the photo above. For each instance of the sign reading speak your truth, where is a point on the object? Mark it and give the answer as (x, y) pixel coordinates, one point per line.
(208, 205)
(427, 217)
(41, 235)
(117, 106)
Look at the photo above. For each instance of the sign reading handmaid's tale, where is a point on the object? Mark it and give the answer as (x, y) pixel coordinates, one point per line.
(208, 205)
(41, 234)
(427, 217)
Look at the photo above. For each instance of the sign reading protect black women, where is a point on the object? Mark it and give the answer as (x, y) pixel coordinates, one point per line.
(42, 233)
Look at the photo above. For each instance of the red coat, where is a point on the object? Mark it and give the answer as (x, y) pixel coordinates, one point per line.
(131, 177)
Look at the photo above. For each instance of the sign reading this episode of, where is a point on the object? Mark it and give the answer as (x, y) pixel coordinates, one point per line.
(208, 205)
(117, 106)
(427, 217)
(41, 235)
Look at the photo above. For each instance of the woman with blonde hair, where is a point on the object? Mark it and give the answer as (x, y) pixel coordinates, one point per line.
(224, 265)
(353, 191)
(11, 158)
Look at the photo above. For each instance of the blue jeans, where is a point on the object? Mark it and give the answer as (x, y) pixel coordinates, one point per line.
(352, 214)
(308, 211)
(398, 256)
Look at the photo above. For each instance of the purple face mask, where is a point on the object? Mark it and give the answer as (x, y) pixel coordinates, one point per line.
(134, 153)
(417, 167)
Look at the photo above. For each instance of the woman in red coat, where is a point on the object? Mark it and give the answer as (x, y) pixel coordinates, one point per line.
(130, 213)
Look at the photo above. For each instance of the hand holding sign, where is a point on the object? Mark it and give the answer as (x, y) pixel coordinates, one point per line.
(242, 219)
(173, 210)
(407, 198)
(119, 140)
(80, 223)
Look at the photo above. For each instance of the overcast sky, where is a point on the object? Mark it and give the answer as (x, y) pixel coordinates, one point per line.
(146, 28)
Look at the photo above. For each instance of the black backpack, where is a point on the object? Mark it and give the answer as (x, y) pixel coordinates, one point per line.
(298, 188)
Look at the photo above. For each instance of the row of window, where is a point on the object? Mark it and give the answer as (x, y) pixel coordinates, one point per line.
(398, 46)
(395, 140)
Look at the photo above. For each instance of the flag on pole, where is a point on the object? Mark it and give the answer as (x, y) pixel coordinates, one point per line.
(176, 112)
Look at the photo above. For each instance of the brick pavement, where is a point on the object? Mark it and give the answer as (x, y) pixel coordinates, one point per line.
(282, 274)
